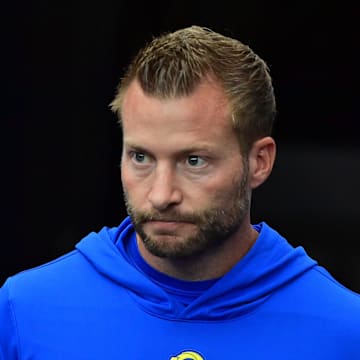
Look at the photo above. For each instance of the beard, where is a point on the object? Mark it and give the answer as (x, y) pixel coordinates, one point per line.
(214, 225)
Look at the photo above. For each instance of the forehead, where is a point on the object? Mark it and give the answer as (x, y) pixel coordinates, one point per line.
(203, 116)
(207, 99)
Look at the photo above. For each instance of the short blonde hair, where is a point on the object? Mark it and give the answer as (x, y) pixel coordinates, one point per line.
(173, 64)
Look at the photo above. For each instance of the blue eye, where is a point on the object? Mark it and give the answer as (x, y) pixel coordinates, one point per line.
(139, 157)
(196, 161)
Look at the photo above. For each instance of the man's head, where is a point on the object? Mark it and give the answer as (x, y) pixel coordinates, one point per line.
(192, 152)
(174, 64)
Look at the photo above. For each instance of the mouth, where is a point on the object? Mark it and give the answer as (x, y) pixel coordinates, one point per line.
(166, 225)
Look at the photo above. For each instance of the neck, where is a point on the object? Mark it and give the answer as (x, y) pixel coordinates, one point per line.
(211, 264)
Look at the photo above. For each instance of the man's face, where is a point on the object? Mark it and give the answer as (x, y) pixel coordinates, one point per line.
(184, 178)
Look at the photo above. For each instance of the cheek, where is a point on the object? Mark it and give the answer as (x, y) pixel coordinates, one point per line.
(128, 181)
(215, 191)
(124, 176)
(224, 190)
(127, 177)
(135, 189)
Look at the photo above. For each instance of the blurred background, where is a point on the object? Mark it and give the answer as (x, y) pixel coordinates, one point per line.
(61, 146)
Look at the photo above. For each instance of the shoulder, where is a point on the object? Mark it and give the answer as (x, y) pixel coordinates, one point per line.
(22, 293)
(336, 296)
(42, 278)
(336, 308)
(316, 294)
(326, 285)
(70, 269)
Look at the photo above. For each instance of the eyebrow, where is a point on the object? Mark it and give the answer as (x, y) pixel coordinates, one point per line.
(189, 150)
(133, 146)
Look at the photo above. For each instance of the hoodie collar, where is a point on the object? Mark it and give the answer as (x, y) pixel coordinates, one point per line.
(269, 265)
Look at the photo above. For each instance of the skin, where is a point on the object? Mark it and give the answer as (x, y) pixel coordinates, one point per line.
(182, 157)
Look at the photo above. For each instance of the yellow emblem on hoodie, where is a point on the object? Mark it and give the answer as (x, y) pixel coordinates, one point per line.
(188, 355)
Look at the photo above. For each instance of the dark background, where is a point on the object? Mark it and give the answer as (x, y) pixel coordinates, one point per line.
(60, 145)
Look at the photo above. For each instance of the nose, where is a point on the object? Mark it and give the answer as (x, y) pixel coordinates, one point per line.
(164, 191)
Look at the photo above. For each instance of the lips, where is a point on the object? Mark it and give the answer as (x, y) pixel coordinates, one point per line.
(168, 225)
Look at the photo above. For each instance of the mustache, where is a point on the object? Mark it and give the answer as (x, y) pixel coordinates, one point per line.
(170, 216)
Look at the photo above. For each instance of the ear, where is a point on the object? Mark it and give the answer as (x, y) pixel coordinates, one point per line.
(261, 161)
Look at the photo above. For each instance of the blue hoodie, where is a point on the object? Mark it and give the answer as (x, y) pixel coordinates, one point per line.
(93, 303)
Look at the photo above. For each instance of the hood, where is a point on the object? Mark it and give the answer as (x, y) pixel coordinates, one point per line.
(269, 265)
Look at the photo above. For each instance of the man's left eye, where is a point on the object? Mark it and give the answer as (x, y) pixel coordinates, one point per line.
(195, 161)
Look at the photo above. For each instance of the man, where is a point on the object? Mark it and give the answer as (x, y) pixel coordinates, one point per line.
(186, 276)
